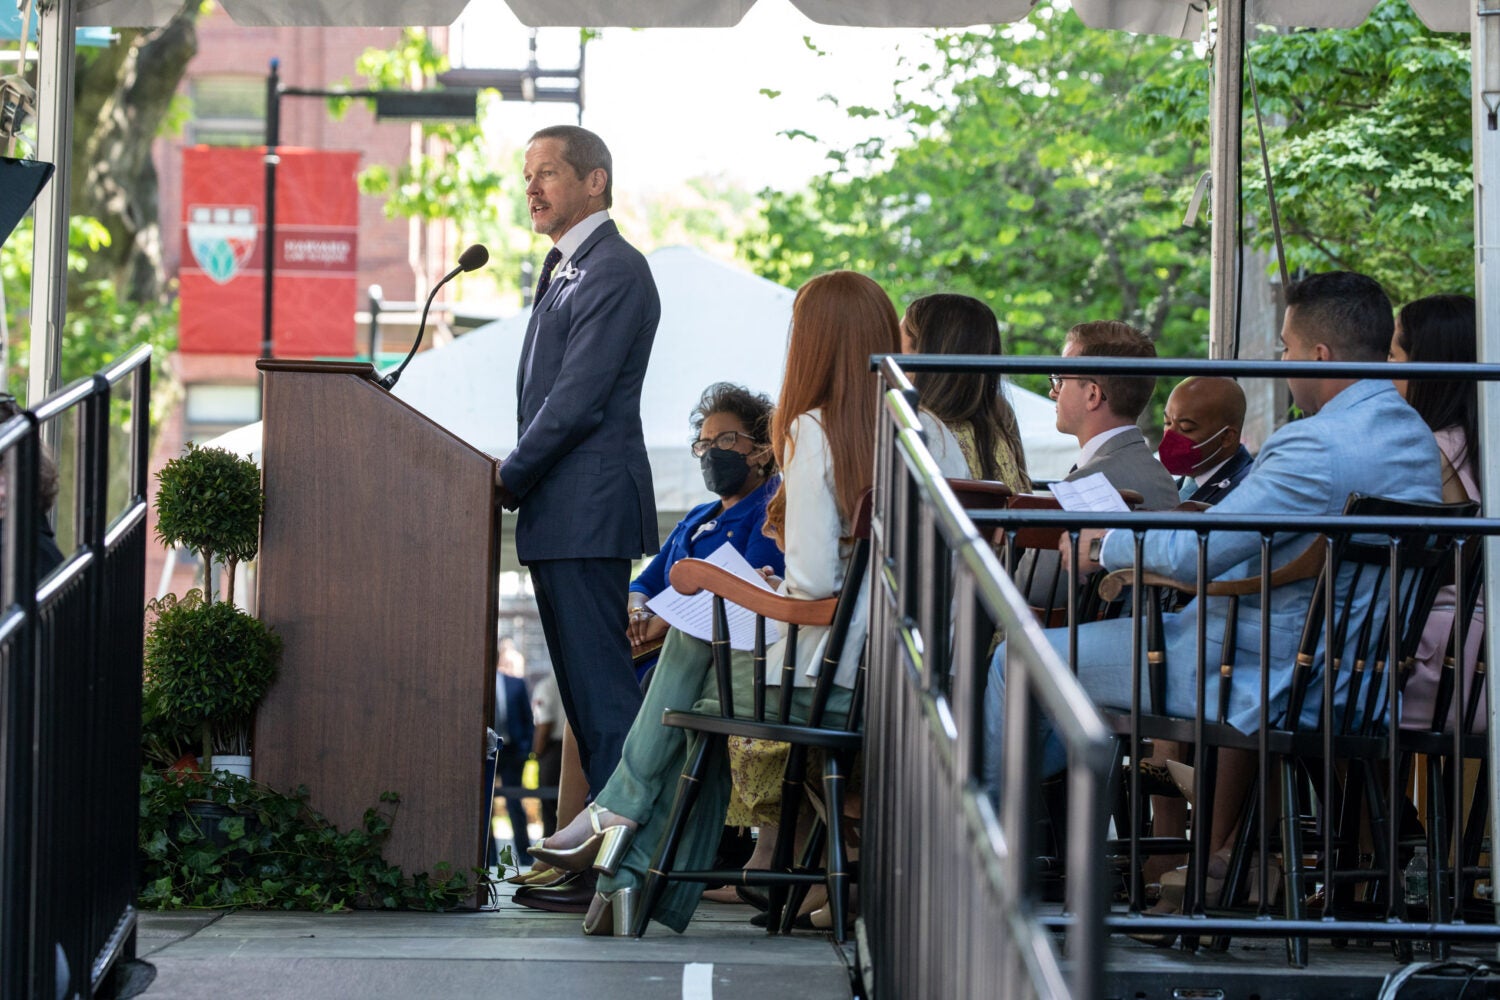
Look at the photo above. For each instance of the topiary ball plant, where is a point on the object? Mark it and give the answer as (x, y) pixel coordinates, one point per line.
(210, 501)
(209, 665)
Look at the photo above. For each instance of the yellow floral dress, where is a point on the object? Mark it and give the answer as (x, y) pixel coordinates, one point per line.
(1010, 469)
(755, 769)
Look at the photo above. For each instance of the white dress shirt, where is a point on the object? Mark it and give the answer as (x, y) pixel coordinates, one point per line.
(1088, 451)
(570, 241)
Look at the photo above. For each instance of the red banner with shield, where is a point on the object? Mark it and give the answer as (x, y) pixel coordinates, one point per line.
(222, 271)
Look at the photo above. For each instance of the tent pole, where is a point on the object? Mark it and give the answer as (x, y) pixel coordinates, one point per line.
(1484, 38)
(1224, 164)
(49, 265)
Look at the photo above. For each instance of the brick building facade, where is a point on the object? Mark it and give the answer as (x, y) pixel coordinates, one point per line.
(226, 84)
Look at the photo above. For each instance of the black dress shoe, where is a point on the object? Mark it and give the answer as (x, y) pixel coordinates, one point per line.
(570, 895)
(803, 922)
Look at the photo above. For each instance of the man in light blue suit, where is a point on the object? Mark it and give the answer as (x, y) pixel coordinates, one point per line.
(579, 472)
(1307, 468)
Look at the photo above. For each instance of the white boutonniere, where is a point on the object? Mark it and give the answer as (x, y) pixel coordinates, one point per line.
(570, 273)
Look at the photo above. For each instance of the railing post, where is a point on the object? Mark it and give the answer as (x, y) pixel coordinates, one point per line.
(21, 970)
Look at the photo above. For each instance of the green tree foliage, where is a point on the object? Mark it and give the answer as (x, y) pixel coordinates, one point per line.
(459, 175)
(454, 177)
(101, 325)
(1045, 169)
(1371, 151)
(126, 96)
(1032, 178)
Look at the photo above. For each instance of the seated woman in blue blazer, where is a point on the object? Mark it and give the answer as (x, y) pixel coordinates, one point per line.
(731, 429)
(732, 441)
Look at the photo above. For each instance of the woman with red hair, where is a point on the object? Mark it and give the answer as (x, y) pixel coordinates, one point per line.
(824, 441)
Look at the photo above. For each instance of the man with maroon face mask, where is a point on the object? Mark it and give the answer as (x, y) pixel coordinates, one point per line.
(1201, 443)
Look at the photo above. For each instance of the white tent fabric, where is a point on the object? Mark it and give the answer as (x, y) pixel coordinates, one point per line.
(718, 323)
(1179, 18)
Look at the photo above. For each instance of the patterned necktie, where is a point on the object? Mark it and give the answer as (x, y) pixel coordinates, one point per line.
(554, 257)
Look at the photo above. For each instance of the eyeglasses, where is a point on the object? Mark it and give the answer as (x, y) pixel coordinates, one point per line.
(1058, 380)
(725, 441)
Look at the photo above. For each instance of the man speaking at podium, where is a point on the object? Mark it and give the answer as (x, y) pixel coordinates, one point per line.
(579, 474)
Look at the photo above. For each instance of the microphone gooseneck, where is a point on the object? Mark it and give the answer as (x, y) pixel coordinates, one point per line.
(475, 257)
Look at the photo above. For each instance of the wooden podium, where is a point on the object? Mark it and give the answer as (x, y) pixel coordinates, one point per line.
(378, 568)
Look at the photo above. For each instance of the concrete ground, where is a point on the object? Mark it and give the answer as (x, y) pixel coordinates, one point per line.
(511, 951)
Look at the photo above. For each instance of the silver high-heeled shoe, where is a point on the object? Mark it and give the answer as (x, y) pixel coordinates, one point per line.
(612, 914)
(603, 850)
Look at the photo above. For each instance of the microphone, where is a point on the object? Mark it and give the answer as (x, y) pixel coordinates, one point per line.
(471, 259)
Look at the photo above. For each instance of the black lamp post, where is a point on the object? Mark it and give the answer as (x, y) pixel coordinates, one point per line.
(268, 246)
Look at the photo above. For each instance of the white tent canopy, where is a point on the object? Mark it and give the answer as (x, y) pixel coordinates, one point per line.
(719, 323)
(1180, 18)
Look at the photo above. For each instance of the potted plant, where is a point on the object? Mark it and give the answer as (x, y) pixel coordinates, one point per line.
(209, 501)
(209, 663)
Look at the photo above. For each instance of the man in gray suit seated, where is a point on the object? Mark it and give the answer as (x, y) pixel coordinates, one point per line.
(1307, 468)
(1101, 412)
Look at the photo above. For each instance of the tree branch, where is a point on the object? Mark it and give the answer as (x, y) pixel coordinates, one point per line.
(120, 188)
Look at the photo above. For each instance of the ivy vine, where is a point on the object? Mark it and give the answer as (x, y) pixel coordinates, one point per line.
(219, 841)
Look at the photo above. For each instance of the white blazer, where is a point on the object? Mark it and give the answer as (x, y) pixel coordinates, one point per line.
(815, 558)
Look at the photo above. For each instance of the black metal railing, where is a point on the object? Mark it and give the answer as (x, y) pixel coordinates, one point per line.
(951, 894)
(919, 635)
(18, 696)
(70, 646)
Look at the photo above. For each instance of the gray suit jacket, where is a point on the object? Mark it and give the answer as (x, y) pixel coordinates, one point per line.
(579, 466)
(1127, 462)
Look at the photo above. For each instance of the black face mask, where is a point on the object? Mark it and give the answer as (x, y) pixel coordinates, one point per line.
(724, 471)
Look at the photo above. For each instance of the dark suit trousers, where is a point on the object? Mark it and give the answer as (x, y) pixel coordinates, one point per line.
(582, 606)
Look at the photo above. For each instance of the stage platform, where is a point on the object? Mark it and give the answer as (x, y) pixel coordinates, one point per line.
(511, 952)
(1257, 968)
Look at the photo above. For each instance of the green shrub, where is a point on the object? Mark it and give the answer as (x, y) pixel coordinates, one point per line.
(210, 501)
(164, 739)
(208, 665)
(272, 851)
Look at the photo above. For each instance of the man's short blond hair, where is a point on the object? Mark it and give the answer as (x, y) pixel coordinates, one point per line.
(1126, 395)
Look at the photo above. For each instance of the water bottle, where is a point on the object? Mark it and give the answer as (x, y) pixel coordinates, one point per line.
(1415, 878)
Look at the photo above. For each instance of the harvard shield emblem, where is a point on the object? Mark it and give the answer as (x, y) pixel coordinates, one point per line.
(222, 237)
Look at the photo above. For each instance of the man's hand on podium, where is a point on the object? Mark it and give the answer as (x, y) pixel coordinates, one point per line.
(508, 500)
